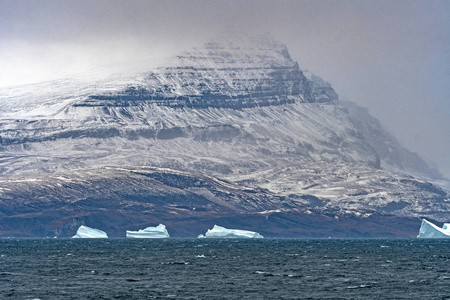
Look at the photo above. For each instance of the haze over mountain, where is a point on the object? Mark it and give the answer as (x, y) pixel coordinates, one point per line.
(233, 130)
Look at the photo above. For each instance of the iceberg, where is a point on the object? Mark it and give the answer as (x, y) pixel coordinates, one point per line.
(157, 232)
(222, 232)
(430, 231)
(85, 232)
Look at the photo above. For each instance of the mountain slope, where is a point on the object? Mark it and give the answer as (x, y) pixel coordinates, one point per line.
(240, 111)
(119, 199)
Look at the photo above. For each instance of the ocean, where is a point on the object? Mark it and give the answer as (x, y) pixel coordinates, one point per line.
(224, 269)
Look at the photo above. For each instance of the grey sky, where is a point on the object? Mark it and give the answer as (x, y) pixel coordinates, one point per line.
(390, 56)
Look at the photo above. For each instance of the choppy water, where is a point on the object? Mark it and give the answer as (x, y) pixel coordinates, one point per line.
(224, 269)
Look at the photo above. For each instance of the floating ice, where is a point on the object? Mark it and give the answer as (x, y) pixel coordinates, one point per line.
(222, 232)
(430, 231)
(85, 232)
(157, 232)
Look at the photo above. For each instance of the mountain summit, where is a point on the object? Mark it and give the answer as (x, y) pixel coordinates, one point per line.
(232, 131)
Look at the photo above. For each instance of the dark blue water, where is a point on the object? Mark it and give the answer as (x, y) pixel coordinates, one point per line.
(224, 269)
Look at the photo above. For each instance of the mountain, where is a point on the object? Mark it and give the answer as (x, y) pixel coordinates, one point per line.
(233, 131)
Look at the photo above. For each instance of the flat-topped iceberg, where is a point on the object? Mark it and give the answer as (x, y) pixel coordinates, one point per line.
(157, 232)
(85, 232)
(430, 231)
(222, 232)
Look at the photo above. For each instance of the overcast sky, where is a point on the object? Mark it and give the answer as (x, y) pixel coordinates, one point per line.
(390, 56)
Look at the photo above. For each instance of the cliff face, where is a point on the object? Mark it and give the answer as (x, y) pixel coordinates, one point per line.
(255, 73)
(241, 111)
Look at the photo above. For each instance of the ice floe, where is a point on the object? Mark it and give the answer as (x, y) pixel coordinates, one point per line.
(157, 232)
(430, 231)
(85, 232)
(222, 232)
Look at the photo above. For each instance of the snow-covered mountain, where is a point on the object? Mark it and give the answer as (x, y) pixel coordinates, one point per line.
(239, 111)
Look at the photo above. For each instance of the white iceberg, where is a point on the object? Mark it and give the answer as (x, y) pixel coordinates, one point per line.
(222, 232)
(85, 232)
(430, 231)
(157, 232)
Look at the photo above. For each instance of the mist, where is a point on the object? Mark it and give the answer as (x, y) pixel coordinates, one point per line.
(390, 56)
